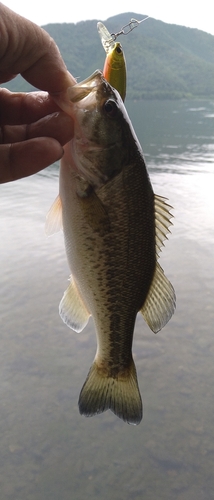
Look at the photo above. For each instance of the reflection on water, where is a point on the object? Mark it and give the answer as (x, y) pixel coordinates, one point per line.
(175, 133)
(48, 451)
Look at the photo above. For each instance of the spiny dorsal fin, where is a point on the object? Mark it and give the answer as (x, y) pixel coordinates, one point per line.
(160, 302)
(72, 309)
(53, 222)
(162, 221)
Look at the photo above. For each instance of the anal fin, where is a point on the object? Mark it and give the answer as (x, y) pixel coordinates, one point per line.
(160, 302)
(72, 310)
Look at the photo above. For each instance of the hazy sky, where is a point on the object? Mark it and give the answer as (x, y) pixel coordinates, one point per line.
(187, 13)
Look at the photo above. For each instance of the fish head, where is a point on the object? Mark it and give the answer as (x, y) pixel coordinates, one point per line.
(101, 146)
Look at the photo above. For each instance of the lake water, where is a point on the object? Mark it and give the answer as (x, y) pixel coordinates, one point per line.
(48, 451)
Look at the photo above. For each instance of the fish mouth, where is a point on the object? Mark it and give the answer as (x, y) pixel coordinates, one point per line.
(81, 90)
(73, 95)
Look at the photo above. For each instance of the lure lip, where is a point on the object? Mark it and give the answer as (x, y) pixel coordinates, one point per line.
(107, 40)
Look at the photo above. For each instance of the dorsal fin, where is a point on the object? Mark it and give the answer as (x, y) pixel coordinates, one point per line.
(53, 222)
(160, 301)
(162, 221)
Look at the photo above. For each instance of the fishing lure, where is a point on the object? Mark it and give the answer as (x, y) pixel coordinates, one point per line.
(114, 70)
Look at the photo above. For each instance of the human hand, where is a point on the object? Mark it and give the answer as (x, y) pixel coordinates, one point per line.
(32, 128)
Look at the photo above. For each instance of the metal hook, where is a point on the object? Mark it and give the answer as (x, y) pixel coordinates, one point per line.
(108, 40)
(132, 25)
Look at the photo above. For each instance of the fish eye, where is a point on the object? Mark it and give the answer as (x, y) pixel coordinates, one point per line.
(110, 107)
(118, 49)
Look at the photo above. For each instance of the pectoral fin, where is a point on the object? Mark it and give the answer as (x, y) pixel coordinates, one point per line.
(160, 302)
(94, 211)
(72, 309)
(54, 217)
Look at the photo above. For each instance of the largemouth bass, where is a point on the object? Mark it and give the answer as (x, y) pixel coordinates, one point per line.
(114, 226)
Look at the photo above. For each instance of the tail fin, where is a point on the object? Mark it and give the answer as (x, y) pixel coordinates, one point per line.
(120, 395)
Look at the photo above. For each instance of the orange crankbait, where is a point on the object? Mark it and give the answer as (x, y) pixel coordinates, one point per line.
(114, 69)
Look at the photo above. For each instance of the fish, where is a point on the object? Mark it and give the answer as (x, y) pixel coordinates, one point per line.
(114, 70)
(114, 227)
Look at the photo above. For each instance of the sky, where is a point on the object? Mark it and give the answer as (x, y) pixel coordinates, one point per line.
(185, 12)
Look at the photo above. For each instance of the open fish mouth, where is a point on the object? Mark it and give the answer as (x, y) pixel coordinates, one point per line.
(82, 89)
(76, 93)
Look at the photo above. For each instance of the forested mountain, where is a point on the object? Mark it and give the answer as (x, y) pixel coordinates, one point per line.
(163, 60)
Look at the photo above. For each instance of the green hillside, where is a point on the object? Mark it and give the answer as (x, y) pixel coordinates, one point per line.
(163, 60)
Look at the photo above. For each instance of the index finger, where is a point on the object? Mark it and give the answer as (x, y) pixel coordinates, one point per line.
(28, 49)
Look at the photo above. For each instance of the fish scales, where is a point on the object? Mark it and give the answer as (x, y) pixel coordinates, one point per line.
(114, 227)
(115, 270)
